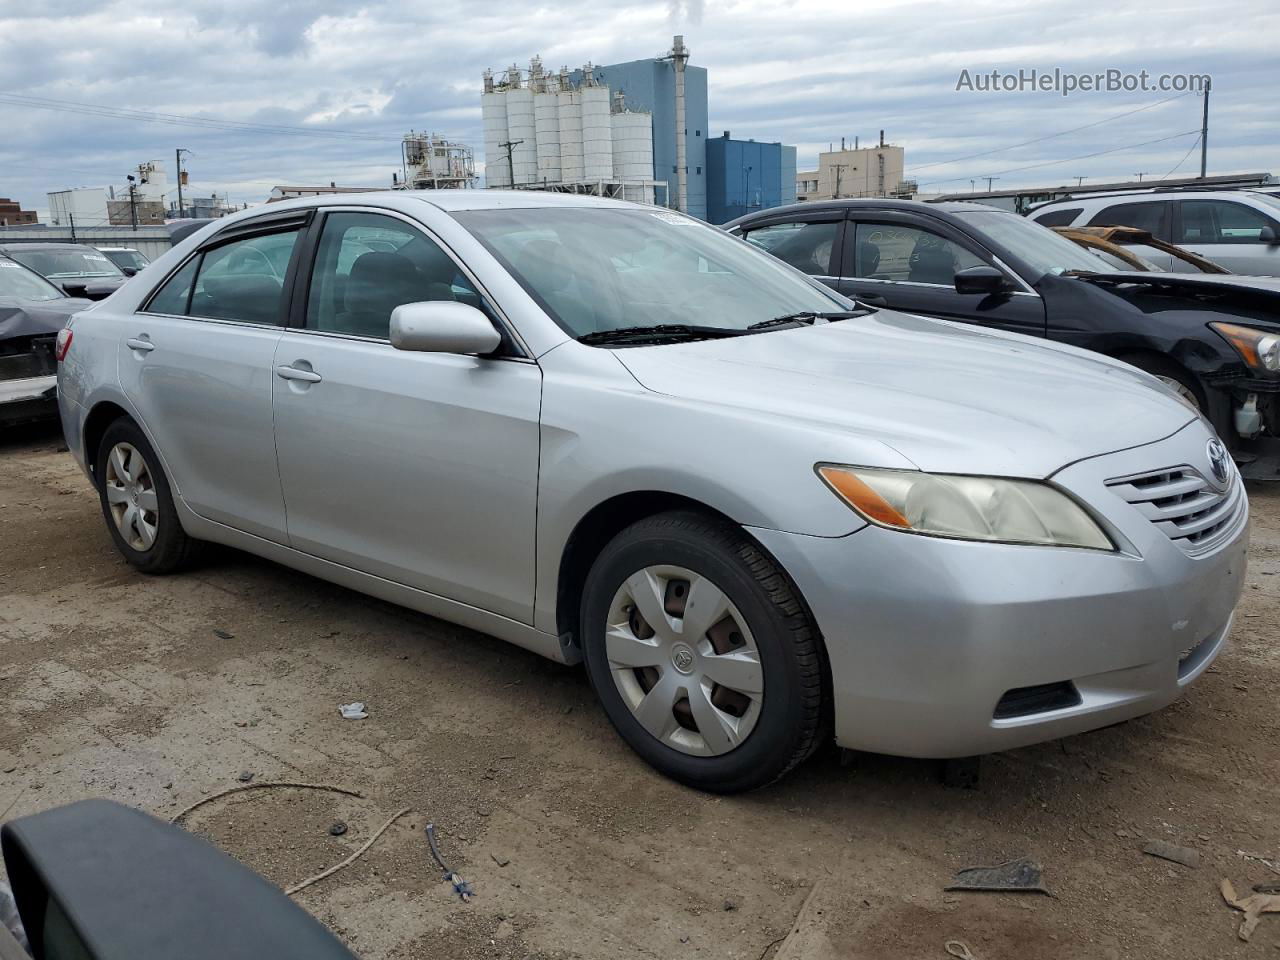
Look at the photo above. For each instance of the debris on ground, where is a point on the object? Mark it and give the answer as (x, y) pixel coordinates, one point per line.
(245, 776)
(1259, 858)
(223, 635)
(500, 861)
(337, 828)
(1172, 852)
(353, 711)
(262, 786)
(303, 884)
(1266, 888)
(1253, 906)
(1016, 876)
(960, 949)
(460, 886)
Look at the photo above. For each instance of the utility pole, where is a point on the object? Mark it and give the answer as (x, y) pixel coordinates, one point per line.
(133, 203)
(990, 181)
(72, 217)
(509, 146)
(177, 172)
(1140, 175)
(1204, 131)
(972, 186)
(1080, 180)
(838, 167)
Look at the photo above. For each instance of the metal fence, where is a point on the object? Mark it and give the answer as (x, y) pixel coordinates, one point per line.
(149, 241)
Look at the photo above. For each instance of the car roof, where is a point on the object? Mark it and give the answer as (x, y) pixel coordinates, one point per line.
(1137, 196)
(942, 211)
(11, 247)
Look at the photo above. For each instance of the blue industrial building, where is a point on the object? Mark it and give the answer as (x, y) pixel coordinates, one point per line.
(744, 176)
(649, 85)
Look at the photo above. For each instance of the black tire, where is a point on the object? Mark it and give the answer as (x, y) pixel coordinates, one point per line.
(172, 550)
(791, 720)
(1168, 370)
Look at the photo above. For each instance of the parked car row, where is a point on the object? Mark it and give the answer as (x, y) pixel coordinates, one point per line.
(764, 511)
(1216, 344)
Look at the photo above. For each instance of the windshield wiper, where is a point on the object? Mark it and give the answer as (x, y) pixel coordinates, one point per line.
(809, 317)
(657, 333)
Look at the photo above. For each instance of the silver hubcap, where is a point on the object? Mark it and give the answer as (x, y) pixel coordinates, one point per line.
(131, 496)
(684, 660)
(1185, 393)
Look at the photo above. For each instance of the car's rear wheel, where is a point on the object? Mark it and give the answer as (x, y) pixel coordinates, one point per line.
(702, 654)
(137, 503)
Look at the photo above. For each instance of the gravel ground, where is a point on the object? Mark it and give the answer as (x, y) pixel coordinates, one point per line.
(159, 691)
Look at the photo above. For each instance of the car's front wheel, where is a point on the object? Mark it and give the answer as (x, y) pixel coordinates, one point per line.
(702, 653)
(137, 502)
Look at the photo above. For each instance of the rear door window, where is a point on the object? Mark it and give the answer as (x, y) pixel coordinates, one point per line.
(1151, 217)
(175, 294)
(1220, 221)
(244, 279)
(901, 253)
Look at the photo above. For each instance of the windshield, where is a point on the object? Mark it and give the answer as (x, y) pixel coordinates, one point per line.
(62, 264)
(127, 258)
(1038, 246)
(17, 281)
(596, 269)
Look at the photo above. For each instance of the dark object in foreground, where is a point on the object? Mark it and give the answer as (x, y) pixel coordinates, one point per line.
(460, 886)
(99, 880)
(1172, 852)
(1014, 876)
(962, 773)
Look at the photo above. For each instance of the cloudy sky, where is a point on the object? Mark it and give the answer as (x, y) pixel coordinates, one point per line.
(357, 75)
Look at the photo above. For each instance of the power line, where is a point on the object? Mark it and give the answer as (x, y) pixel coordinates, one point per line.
(1195, 143)
(1050, 136)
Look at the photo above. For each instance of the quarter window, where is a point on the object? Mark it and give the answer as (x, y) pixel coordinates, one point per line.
(369, 264)
(175, 294)
(806, 246)
(888, 251)
(244, 280)
(1220, 221)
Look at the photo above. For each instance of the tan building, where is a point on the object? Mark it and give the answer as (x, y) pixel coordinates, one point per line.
(869, 172)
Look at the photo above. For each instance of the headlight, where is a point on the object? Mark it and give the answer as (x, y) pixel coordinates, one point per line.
(1257, 348)
(966, 508)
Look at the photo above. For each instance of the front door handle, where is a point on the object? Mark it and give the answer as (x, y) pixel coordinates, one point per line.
(297, 373)
(140, 344)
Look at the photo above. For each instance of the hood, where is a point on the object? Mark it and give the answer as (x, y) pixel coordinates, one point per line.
(1206, 291)
(33, 318)
(947, 396)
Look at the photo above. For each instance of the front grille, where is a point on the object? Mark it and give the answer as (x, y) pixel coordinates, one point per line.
(1186, 507)
(1024, 701)
(24, 357)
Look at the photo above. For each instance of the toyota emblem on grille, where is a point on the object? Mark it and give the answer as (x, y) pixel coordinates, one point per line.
(1218, 462)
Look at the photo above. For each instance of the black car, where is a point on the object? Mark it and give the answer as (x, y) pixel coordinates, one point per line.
(1215, 340)
(32, 311)
(79, 269)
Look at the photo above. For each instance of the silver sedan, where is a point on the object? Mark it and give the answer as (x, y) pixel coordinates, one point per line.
(762, 514)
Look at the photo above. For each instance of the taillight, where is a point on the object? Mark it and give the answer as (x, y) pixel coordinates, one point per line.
(63, 344)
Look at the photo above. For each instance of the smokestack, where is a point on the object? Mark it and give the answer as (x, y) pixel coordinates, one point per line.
(679, 57)
(855, 143)
(882, 138)
(842, 143)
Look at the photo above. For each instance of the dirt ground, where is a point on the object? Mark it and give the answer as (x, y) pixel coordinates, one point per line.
(159, 691)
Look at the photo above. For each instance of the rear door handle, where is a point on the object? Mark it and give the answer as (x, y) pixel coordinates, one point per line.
(296, 373)
(140, 343)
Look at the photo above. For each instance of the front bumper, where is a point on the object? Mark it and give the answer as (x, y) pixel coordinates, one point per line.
(28, 398)
(926, 635)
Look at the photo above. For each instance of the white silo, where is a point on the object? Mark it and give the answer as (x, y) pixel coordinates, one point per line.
(493, 113)
(569, 110)
(546, 121)
(633, 154)
(597, 131)
(522, 133)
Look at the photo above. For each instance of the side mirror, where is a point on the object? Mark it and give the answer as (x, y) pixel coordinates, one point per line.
(1268, 236)
(442, 326)
(101, 881)
(980, 279)
(129, 271)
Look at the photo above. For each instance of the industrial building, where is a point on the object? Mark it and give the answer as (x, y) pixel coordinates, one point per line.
(633, 130)
(430, 162)
(874, 171)
(744, 176)
(12, 214)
